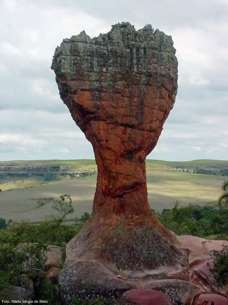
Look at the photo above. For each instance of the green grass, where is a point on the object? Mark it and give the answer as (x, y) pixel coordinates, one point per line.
(166, 185)
(20, 184)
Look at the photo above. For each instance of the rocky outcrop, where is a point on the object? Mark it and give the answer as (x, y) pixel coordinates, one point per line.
(210, 299)
(119, 88)
(201, 262)
(177, 291)
(144, 297)
(16, 295)
(53, 262)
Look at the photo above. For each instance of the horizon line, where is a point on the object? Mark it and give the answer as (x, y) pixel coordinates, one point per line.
(93, 159)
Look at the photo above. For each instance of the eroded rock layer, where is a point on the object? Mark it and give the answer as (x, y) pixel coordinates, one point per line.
(119, 88)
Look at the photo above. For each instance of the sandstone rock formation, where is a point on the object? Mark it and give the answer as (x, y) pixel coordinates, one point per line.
(53, 262)
(119, 88)
(210, 299)
(201, 262)
(144, 297)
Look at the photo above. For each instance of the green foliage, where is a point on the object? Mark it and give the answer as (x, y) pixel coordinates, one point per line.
(18, 260)
(84, 217)
(48, 291)
(63, 206)
(204, 221)
(4, 280)
(221, 266)
(46, 232)
(23, 246)
(223, 199)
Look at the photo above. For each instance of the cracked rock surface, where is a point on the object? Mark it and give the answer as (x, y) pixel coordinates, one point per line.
(119, 88)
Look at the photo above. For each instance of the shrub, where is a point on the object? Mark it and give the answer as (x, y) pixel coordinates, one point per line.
(48, 291)
(221, 266)
(23, 246)
(23, 259)
(45, 232)
(223, 199)
(63, 206)
(4, 280)
(86, 216)
(83, 219)
(204, 221)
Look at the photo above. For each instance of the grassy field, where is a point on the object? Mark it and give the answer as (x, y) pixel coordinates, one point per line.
(168, 182)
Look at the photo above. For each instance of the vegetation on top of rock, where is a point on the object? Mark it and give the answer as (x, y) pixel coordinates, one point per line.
(140, 248)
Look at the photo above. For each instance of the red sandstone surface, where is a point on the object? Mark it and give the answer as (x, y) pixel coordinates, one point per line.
(120, 88)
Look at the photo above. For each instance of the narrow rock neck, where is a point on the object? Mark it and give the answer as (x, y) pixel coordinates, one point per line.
(121, 187)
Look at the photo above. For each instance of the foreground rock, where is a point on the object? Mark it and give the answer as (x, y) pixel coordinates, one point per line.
(144, 297)
(89, 279)
(178, 291)
(201, 262)
(53, 262)
(210, 299)
(119, 88)
(16, 294)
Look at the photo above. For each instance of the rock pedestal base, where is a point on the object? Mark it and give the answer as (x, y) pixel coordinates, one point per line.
(112, 256)
(110, 272)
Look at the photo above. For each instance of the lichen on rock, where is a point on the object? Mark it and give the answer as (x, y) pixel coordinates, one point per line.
(119, 88)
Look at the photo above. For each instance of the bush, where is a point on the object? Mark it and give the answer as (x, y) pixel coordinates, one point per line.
(22, 253)
(221, 266)
(46, 232)
(83, 219)
(204, 221)
(16, 261)
(223, 200)
(63, 206)
(23, 246)
(4, 280)
(48, 291)
(86, 216)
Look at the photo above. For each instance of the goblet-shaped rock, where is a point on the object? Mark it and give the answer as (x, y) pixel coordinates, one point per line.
(120, 88)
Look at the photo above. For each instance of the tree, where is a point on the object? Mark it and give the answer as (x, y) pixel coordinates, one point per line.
(223, 199)
(63, 206)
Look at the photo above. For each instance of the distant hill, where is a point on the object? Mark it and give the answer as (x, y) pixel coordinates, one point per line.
(53, 169)
(25, 183)
(45, 170)
(208, 167)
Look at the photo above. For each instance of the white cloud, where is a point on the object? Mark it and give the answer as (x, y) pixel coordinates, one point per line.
(42, 87)
(34, 123)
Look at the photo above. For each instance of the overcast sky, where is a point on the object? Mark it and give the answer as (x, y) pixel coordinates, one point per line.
(35, 124)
